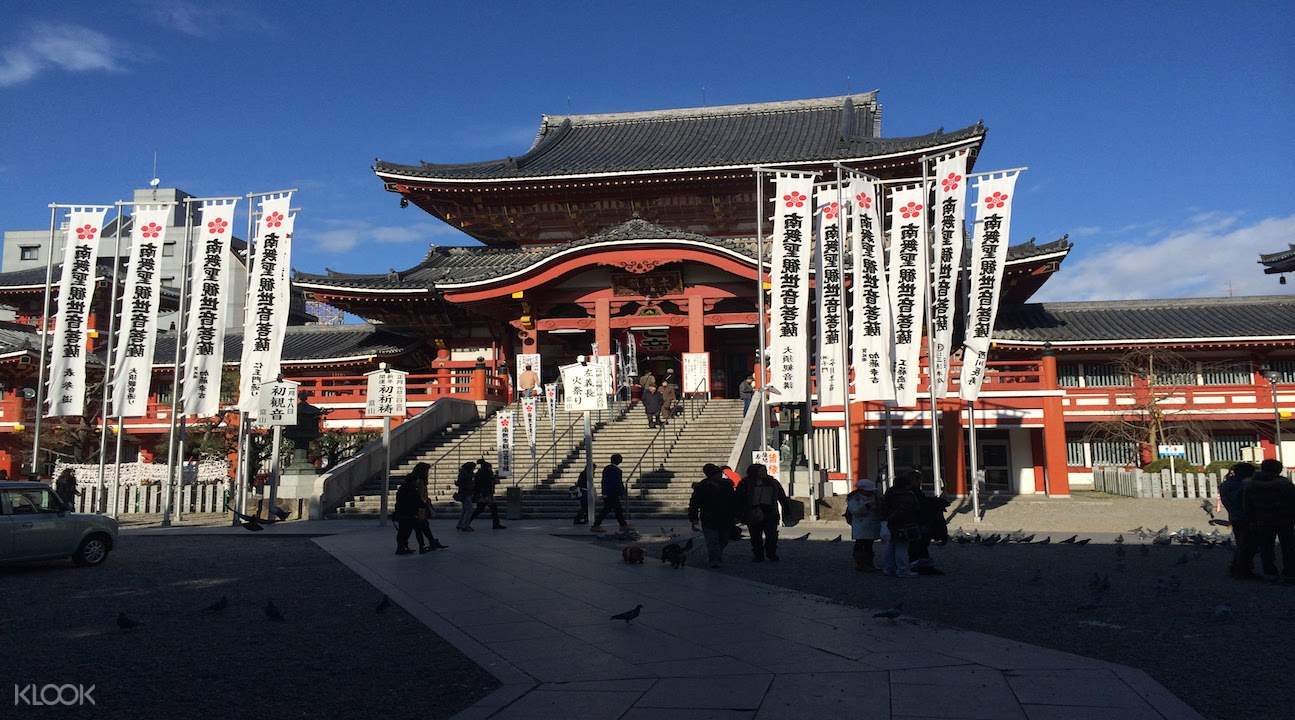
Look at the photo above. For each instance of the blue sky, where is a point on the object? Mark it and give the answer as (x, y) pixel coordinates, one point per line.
(1158, 134)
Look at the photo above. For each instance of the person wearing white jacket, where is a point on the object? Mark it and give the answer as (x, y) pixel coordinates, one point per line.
(865, 522)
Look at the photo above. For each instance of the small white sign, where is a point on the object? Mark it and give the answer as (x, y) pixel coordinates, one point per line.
(696, 372)
(1167, 451)
(582, 387)
(277, 404)
(386, 393)
(768, 458)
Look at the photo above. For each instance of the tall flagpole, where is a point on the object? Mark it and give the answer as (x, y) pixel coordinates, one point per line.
(171, 459)
(44, 341)
(847, 432)
(759, 294)
(239, 496)
(930, 341)
(107, 364)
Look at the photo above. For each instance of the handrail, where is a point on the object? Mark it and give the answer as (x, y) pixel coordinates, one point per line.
(553, 444)
(456, 448)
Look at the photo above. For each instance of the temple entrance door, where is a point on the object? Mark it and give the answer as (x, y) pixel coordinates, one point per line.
(996, 461)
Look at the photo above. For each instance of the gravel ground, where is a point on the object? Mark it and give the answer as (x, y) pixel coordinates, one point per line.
(333, 657)
(1159, 614)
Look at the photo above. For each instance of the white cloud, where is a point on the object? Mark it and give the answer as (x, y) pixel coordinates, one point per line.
(201, 20)
(60, 46)
(1210, 254)
(344, 235)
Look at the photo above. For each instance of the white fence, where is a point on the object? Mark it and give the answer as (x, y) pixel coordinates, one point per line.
(202, 490)
(1132, 482)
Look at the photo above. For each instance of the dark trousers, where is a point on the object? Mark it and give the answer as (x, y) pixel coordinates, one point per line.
(611, 505)
(1260, 538)
(481, 507)
(405, 526)
(654, 418)
(582, 511)
(764, 535)
(863, 555)
(1243, 560)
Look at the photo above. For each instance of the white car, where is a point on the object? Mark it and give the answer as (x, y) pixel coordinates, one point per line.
(36, 525)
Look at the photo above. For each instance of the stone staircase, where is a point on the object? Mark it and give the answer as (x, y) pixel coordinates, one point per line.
(659, 466)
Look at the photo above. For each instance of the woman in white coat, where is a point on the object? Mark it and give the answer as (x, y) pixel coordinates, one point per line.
(865, 522)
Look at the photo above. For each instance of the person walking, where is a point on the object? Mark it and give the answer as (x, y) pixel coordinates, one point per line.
(425, 512)
(483, 487)
(902, 508)
(712, 503)
(465, 490)
(613, 492)
(669, 397)
(652, 405)
(65, 488)
(863, 512)
(648, 380)
(409, 504)
(759, 497)
(1269, 507)
(746, 391)
(1232, 495)
(580, 491)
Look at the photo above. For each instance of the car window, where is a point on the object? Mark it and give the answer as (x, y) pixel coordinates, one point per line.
(28, 502)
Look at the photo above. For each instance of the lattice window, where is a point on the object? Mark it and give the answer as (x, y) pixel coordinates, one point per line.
(1284, 370)
(1228, 374)
(1114, 452)
(1068, 375)
(1176, 376)
(1075, 456)
(1229, 446)
(1105, 375)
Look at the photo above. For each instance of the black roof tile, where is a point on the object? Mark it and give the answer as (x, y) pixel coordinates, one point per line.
(800, 131)
(1114, 320)
(309, 342)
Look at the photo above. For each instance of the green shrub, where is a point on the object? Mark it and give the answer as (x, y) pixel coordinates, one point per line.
(1220, 467)
(1180, 465)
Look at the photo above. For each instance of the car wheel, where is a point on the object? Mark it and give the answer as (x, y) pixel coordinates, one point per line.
(93, 550)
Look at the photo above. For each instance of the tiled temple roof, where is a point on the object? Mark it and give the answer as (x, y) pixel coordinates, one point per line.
(1176, 318)
(796, 131)
(304, 343)
(1282, 261)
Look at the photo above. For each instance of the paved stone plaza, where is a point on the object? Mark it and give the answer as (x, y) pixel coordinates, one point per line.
(533, 609)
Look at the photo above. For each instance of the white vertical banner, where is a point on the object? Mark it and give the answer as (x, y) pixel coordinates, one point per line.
(208, 296)
(551, 396)
(873, 334)
(989, 240)
(66, 390)
(631, 356)
(137, 330)
(266, 312)
(504, 441)
(789, 296)
(831, 325)
(950, 209)
(908, 278)
(529, 417)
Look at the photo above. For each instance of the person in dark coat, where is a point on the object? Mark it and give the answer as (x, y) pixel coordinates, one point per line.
(758, 498)
(746, 391)
(580, 491)
(409, 505)
(425, 512)
(483, 486)
(669, 400)
(1232, 495)
(652, 402)
(65, 488)
(465, 490)
(1269, 507)
(712, 504)
(933, 528)
(613, 493)
(902, 511)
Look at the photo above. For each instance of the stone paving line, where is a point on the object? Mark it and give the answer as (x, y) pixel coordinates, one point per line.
(533, 609)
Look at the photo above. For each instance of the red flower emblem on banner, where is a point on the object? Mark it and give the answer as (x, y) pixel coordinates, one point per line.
(217, 226)
(830, 210)
(151, 230)
(795, 199)
(951, 182)
(911, 210)
(274, 220)
(864, 200)
(86, 232)
(996, 200)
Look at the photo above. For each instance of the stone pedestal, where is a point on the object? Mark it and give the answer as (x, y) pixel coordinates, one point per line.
(301, 485)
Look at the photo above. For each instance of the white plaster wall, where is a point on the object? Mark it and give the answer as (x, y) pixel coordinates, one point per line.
(1022, 461)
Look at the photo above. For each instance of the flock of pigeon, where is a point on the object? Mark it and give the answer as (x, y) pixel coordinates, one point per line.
(962, 537)
(270, 610)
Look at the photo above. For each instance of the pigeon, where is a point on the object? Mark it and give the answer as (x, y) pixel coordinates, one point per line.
(280, 514)
(1162, 540)
(252, 524)
(218, 606)
(1026, 539)
(1044, 541)
(802, 537)
(1119, 539)
(990, 541)
(1070, 540)
(632, 555)
(835, 539)
(272, 611)
(126, 623)
(628, 614)
(1138, 531)
(676, 554)
(1085, 541)
(1221, 523)
(1208, 507)
(383, 604)
(890, 613)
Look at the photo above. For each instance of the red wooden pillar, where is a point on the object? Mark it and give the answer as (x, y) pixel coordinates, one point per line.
(1055, 469)
(603, 325)
(696, 325)
(955, 450)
